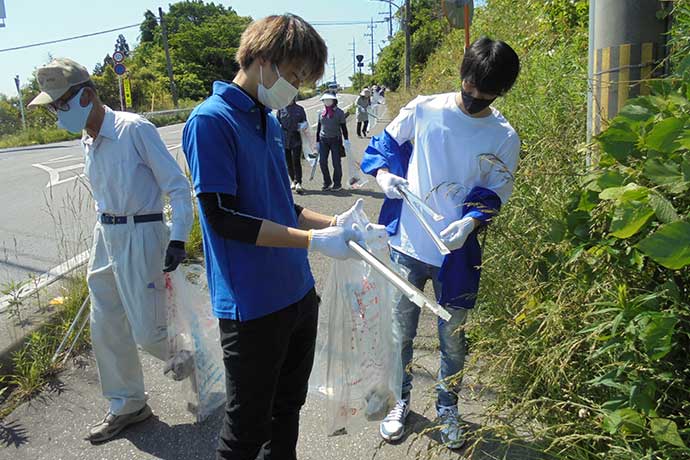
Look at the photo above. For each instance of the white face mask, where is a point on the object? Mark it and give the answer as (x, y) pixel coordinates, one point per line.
(277, 96)
(74, 120)
(328, 102)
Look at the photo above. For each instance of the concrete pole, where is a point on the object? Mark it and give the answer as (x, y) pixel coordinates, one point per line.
(627, 44)
(21, 101)
(408, 44)
(168, 62)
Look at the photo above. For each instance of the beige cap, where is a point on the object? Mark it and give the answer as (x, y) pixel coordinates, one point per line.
(56, 78)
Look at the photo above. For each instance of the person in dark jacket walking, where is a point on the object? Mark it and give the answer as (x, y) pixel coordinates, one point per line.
(291, 118)
(330, 132)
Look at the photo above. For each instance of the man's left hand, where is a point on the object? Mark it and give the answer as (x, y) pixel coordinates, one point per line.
(174, 255)
(456, 234)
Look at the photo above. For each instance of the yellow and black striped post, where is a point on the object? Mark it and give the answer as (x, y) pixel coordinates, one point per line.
(627, 43)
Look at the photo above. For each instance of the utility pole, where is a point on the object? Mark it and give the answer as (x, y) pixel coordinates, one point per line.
(626, 44)
(21, 101)
(390, 21)
(371, 28)
(164, 32)
(335, 77)
(408, 20)
(354, 67)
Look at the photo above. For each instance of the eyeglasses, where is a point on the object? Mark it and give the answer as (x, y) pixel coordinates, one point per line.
(62, 103)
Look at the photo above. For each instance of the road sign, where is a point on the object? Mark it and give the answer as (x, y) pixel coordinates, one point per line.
(360, 58)
(360, 64)
(454, 11)
(120, 69)
(118, 56)
(128, 92)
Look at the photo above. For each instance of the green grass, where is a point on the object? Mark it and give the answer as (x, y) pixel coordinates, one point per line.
(32, 368)
(36, 136)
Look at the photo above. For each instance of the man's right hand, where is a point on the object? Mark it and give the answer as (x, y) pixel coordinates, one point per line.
(389, 184)
(332, 241)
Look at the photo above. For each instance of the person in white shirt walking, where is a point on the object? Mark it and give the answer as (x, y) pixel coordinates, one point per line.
(460, 154)
(130, 170)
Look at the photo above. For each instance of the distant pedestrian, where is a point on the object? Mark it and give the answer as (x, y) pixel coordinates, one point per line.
(330, 133)
(363, 103)
(291, 118)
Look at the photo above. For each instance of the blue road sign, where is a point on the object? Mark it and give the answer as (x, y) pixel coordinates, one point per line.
(120, 69)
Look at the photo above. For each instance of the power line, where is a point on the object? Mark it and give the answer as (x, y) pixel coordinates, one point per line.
(69, 38)
(77, 37)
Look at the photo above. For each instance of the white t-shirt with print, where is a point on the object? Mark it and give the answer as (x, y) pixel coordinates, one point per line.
(452, 154)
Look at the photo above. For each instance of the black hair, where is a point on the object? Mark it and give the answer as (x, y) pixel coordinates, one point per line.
(490, 65)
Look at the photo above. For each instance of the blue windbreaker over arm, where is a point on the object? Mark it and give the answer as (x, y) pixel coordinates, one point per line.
(461, 269)
(384, 152)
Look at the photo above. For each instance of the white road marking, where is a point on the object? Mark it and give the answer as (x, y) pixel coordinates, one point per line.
(55, 172)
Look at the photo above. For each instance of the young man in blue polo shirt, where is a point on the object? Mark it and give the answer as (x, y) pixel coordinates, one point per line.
(256, 238)
(460, 154)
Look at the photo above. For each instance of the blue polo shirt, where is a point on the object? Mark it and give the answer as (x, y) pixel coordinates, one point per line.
(228, 151)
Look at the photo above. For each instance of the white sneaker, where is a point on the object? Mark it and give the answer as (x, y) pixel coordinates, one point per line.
(451, 429)
(292, 185)
(298, 188)
(392, 428)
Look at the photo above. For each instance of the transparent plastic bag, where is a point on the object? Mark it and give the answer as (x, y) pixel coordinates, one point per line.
(309, 151)
(357, 367)
(356, 178)
(192, 328)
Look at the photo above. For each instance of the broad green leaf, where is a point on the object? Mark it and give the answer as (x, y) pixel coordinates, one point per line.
(620, 142)
(665, 173)
(588, 200)
(665, 430)
(610, 179)
(625, 421)
(629, 217)
(656, 331)
(663, 208)
(684, 140)
(636, 112)
(662, 137)
(685, 167)
(578, 223)
(628, 193)
(643, 397)
(669, 245)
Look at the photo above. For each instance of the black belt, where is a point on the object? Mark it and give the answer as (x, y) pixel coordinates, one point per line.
(109, 219)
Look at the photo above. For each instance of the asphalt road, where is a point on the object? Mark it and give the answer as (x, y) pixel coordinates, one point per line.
(46, 206)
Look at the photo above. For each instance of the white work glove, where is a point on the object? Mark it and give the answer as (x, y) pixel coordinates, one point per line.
(455, 235)
(388, 183)
(347, 219)
(332, 241)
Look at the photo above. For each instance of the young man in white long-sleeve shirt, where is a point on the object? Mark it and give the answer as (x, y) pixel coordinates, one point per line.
(130, 170)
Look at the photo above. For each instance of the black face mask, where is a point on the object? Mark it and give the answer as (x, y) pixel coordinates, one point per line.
(474, 105)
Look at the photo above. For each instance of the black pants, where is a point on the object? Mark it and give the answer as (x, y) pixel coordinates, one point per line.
(267, 365)
(293, 157)
(362, 127)
(334, 146)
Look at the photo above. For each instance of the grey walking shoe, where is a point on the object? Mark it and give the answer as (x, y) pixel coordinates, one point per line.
(451, 429)
(392, 428)
(112, 424)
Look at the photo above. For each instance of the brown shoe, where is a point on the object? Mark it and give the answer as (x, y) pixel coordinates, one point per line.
(112, 424)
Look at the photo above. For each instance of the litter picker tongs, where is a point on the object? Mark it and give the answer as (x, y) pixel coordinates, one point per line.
(416, 296)
(418, 206)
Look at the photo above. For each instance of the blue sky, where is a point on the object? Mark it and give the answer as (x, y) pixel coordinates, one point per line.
(43, 20)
